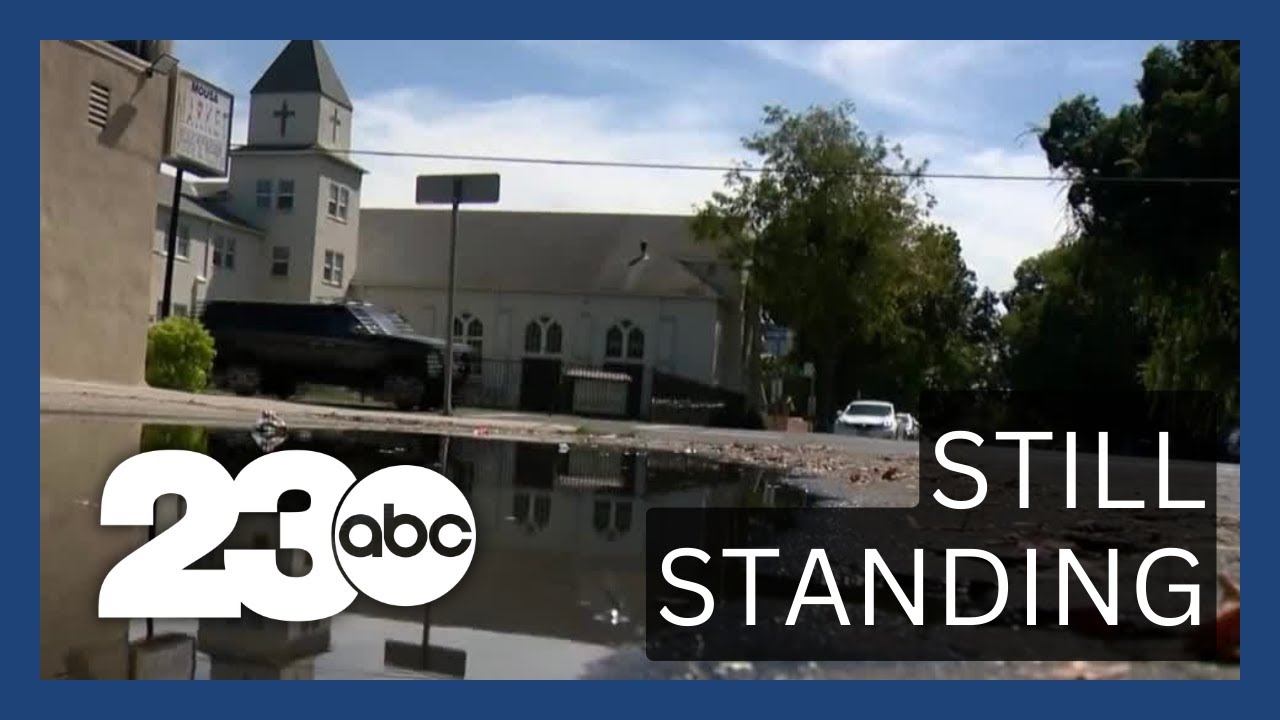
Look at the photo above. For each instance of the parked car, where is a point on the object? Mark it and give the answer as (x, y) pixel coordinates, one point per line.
(273, 348)
(868, 418)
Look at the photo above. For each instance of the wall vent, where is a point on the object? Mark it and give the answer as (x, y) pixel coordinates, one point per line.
(99, 105)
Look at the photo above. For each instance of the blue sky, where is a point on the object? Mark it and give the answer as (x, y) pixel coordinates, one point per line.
(966, 106)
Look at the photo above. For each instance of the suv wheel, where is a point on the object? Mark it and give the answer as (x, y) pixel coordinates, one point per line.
(407, 393)
(243, 380)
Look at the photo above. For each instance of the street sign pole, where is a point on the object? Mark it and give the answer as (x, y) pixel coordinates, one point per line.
(171, 246)
(454, 190)
(453, 272)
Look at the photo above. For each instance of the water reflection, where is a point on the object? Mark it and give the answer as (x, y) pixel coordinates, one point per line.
(557, 580)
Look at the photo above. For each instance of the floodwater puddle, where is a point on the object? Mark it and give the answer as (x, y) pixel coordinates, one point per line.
(556, 585)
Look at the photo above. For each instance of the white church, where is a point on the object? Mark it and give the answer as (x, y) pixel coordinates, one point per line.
(537, 293)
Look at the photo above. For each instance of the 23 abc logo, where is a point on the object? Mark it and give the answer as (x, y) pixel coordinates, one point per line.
(403, 536)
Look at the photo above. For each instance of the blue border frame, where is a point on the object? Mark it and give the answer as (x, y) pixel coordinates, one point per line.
(1169, 18)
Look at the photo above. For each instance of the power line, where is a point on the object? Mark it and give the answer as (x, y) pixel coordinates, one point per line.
(749, 169)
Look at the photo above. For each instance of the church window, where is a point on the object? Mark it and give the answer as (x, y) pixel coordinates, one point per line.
(543, 336)
(224, 253)
(554, 339)
(279, 261)
(284, 195)
(333, 262)
(533, 338)
(264, 194)
(624, 340)
(339, 201)
(469, 331)
(635, 344)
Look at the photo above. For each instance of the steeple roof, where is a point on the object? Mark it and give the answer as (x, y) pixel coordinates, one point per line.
(303, 67)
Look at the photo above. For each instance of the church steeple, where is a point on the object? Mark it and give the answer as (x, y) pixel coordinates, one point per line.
(303, 67)
(300, 102)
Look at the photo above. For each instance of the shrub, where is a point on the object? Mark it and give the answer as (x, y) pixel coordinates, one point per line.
(175, 437)
(179, 355)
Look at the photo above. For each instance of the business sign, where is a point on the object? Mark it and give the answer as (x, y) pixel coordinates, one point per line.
(199, 133)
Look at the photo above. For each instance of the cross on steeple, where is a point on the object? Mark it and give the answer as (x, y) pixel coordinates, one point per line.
(284, 113)
(336, 120)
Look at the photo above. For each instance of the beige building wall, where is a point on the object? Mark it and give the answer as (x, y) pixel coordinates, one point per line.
(76, 552)
(97, 209)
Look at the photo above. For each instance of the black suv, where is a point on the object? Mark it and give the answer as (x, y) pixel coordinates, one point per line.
(274, 347)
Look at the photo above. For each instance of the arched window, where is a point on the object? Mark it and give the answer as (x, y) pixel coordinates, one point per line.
(624, 340)
(531, 511)
(468, 330)
(543, 336)
(611, 519)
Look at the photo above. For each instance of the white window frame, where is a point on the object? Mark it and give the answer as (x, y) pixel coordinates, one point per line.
(264, 190)
(282, 194)
(278, 258)
(224, 249)
(182, 242)
(339, 201)
(333, 269)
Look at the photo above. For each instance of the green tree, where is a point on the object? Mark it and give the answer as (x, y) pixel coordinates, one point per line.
(1177, 244)
(820, 230)
(1070, 324)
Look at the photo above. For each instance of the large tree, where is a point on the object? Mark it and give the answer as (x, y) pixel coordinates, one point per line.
(1174, 243)
(820, 225)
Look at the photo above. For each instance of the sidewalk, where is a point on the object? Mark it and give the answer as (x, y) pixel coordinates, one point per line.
(142, 402)
(831, 456)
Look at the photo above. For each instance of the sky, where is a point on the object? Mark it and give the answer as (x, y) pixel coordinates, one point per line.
(966, 106)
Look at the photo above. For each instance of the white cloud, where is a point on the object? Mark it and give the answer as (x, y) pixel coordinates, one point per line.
(544, 127)
(999, 223)
(915, 79)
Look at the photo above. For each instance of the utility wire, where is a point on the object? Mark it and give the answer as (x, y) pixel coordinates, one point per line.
(749, 169)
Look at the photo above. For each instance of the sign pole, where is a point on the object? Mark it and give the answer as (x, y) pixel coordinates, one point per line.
(454, 190)
(453, 269)
(171, 245)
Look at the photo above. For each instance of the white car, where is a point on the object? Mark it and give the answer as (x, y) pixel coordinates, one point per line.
(868, 418)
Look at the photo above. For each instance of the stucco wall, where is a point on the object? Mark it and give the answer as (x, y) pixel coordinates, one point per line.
(76, 553)
(97, 210)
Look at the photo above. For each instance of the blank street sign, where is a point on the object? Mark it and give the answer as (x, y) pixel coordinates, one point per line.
(440, 189)
(446, 662)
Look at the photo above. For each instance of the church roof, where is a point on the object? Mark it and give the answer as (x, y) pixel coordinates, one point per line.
(303, 67)
(311, 148)
(196, 203)
(552, 252)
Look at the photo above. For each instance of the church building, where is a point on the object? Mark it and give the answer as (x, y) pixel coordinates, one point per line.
(634, 299)
(284, 224)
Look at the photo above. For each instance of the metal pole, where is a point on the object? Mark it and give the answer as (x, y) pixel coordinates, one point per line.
(448, 323)
(171, 244)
